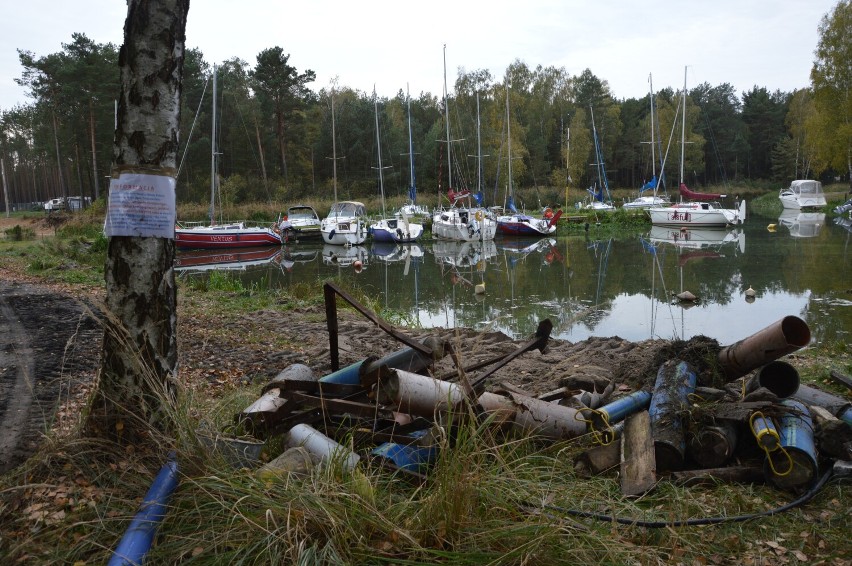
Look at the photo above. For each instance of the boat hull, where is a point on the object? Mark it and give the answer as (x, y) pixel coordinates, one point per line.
(396, 230)
(525, 225)
(344, 232)
(696, 215)
(792, 202)
(225, 238)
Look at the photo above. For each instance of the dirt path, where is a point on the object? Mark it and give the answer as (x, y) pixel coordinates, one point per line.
(49, 347)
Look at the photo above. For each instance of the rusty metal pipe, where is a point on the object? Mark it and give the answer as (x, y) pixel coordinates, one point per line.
(778, 339)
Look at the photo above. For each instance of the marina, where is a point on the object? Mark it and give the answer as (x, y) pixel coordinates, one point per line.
(595, 286)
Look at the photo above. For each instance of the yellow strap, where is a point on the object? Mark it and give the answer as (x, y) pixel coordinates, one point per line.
(604, 437)
(774, 434)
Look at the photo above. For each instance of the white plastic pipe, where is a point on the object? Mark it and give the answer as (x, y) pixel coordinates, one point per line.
(321, 446)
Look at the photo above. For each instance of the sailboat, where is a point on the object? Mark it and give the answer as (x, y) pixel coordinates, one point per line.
(461, 221)
(642, 202)
(411, 208)
(398, 229)
(516, 223)
(222, 236)
(345, 224)
(599, 203)
(704, 210)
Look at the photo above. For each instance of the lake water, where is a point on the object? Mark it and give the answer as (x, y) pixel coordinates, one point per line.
(594, 286)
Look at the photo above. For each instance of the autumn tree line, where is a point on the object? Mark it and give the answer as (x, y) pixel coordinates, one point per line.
(274, 134)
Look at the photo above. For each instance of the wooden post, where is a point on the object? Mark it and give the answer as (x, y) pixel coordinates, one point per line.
(638, 462)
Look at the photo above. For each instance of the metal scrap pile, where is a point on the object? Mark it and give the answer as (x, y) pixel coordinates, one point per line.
(761, 425)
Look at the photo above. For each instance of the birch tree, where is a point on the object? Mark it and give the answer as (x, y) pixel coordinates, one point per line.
(137, 375)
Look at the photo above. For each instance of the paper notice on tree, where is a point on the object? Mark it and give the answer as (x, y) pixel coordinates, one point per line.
(141, 205)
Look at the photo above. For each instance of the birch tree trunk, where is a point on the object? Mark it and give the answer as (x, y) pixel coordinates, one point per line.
(137, 378)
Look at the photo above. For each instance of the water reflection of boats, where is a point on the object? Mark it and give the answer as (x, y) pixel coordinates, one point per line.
(292, 255)
(390, 252)
(463, 254)
(226, 260)
(344, 256)
(520, 249)
(845, 223)
(802, 224)
(697, 238)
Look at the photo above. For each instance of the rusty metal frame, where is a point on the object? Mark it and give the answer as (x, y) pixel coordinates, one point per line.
(329, 292)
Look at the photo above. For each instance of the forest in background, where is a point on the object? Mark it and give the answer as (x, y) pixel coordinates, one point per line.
(274, 133)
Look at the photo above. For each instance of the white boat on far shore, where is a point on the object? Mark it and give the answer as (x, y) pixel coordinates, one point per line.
(802, 194)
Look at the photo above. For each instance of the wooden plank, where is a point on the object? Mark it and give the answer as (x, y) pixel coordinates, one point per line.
(638, 463)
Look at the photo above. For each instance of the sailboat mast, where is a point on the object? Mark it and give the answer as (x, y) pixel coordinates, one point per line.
(447, 120)
(509, 135)
(412, 190)
(683, 128)
(379, 150)
(213, 153)
(653, 157)
(478, 149)
(597, 146)
(333, 149)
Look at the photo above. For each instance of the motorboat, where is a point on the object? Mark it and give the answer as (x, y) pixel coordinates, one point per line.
(345, 224)
(802, 194)
(304, 222)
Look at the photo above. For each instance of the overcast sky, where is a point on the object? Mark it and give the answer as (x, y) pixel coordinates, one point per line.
(747, 43)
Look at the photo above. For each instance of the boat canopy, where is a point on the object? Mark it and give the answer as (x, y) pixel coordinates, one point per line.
(806, 188)
(348, 208)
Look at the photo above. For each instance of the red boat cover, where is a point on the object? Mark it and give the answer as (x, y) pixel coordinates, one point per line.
(692, 195)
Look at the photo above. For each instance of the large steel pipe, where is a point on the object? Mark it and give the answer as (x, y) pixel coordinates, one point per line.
(778, 339)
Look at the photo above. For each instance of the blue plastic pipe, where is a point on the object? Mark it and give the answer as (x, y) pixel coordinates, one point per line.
(139, 536)
(350, 375)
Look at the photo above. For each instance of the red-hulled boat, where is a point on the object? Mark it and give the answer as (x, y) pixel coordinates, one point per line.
(225, 236)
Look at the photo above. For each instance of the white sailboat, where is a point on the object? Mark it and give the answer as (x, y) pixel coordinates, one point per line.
(517, 223)
(411, 208)
(461, 221)
(345, 224)
(655, 200)
(398, 229)
(598, 199)
(695, 214)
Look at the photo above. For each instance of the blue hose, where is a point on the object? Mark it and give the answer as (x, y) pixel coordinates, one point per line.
(139, 536)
